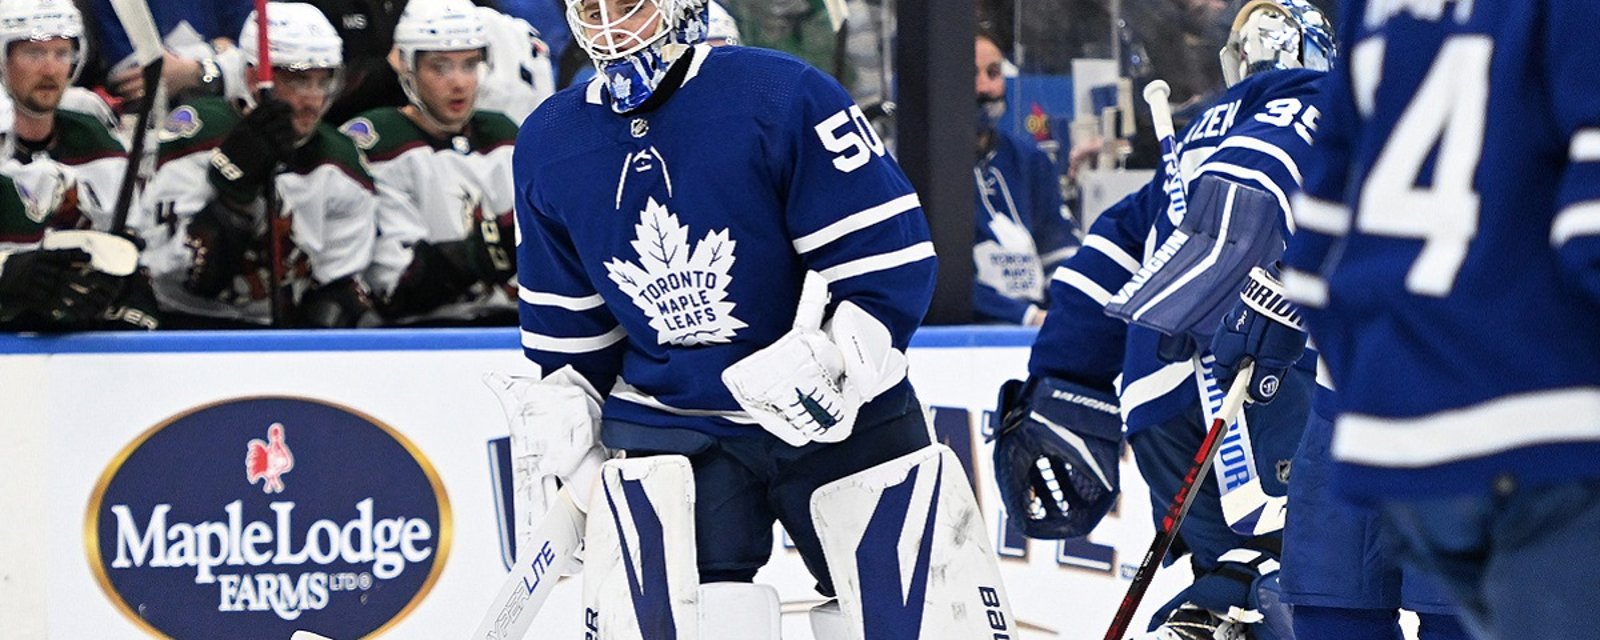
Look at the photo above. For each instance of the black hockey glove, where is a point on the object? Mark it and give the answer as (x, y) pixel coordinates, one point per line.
(442, 272)
(247, 158)
(1055, 456)
(218, 237)
(54, 290)
(136, 308)
(340, 304)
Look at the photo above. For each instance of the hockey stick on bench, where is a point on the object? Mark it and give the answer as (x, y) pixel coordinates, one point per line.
(1180, 505)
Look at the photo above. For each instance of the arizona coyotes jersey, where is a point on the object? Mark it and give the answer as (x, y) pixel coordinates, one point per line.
(1448, 250)
(1023, 230)
(324, 190)
(435, 190)
(1259, 134)
(659, 247)
(91, 162)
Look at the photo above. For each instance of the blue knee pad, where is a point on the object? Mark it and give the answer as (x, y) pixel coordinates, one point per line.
(1338, 623)
(1245, 582)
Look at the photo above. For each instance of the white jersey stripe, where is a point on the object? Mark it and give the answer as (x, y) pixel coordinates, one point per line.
(628, 393)
(1305, 288)
(856, 222)
(1262, 146)
(1154, 385)
(1111, 250)
(570, 303)
(1321, 215)
(879, 262)
(1059, 255)
(586, 344)
(1579, 219)
(1488, 428)
(1585, 146)
(1082, 283)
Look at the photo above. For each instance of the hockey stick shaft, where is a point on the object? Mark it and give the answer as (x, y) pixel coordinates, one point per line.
(1179, 507)
(134, 15)
(276, 231)
(554, 547)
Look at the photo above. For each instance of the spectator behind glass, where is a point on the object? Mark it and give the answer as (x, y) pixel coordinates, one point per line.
(1023, 229)
(208, 66)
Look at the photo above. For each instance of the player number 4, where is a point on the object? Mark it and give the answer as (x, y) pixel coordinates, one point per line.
(1448, 113)
(857, 143)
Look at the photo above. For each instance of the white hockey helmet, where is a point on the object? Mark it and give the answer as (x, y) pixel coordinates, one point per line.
(438, 25)
(1277, 34)
(38, 20)
(299, 38)
(721, 28)
(680, 21)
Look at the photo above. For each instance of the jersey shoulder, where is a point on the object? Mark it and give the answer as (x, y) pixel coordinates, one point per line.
(773, 79)
(382, 133)
(492, 129)
(197, 125)
(84, 138)
(330, 147)
(1261, 88)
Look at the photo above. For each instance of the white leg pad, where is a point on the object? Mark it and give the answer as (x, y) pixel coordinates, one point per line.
(640, 580)
(827, 622)
(910, 553)
(740, 610)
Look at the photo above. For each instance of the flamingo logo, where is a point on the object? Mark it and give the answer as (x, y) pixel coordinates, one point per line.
(269, 460)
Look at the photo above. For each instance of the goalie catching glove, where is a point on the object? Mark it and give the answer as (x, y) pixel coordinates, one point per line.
(809, 385)
(1055, 456)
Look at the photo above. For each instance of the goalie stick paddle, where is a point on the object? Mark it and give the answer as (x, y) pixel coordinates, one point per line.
(555, 546)
(147, 53)
(1180, 506)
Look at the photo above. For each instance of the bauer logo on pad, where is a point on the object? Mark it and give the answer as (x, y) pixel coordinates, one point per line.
(271, 514)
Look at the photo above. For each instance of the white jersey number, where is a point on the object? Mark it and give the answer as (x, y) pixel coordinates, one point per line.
(856, 145)
(1447, 112)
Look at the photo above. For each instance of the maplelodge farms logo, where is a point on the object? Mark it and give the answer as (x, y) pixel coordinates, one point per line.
(257, 517)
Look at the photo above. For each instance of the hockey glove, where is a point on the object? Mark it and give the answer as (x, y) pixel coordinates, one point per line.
(341, 304)
(54, 289)
(1239, 599)
(136, 308)
(1056, 453)
(249, 155)
(809, 385)
(1263, 327)
(217, 239)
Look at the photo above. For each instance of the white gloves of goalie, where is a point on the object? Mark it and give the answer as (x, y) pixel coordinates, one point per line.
(808, 386)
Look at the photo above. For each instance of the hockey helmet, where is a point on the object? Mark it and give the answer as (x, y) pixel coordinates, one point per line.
(438, 25)
(1277, 34)
(39, 20)
(300, 38)
(721, 28)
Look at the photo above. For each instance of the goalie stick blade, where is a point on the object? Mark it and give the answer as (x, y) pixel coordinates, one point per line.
(1251, 512)
(141, 29)
(518, 601)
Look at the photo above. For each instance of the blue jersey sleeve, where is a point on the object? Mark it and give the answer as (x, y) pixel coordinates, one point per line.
(564, 320)
(1574, 80)
(1078, 341)
(1055, 231)
(1320, 215)
(851, 213)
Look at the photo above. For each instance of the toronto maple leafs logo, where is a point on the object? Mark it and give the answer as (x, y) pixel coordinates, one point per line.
(683, 293)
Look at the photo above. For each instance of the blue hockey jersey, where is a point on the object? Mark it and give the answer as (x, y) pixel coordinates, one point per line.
(1446, 247)
(659, 247)
(1258, 133)
(1023, 230)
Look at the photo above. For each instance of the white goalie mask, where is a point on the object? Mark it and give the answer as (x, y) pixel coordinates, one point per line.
(1277, 34)
(40, 20)
(627, 41)
(437, 25)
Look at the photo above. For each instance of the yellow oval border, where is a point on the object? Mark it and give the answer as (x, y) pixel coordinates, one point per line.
(91, 530)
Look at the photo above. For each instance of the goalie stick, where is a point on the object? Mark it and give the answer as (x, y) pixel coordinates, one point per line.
(554, 549)
(134, 15)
